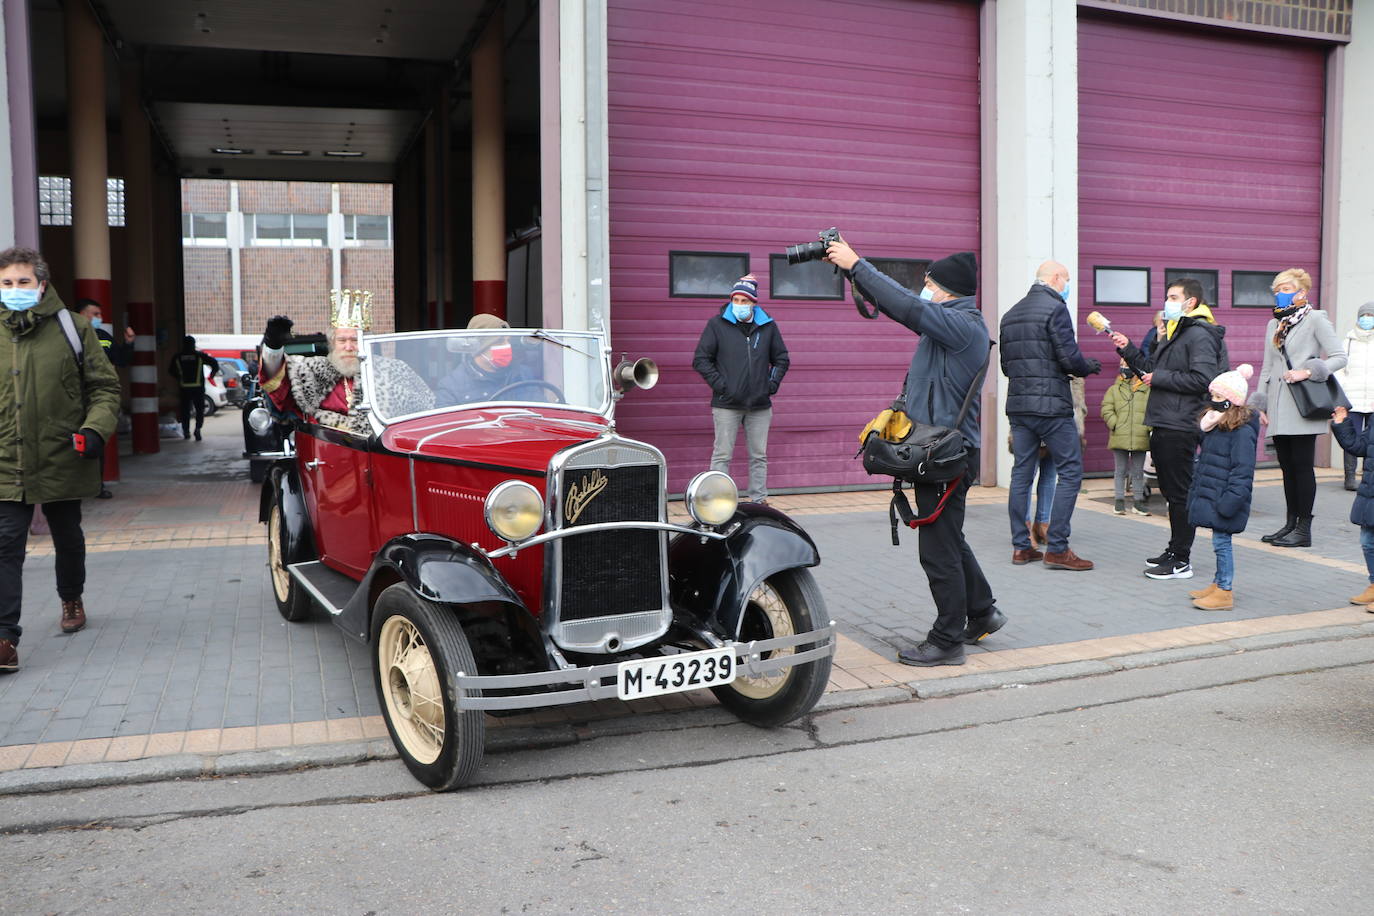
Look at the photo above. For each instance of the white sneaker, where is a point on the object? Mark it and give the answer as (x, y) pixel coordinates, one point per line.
(1171, 569)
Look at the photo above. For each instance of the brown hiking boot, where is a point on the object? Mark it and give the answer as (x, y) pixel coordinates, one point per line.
(1204, 592)
(1364, 597)
(1040, 534)
(73, 616)
(9, 655)
(1219, 600)
(1067, 560)
(1022, 557)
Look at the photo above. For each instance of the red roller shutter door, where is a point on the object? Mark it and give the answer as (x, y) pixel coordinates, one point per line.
(1197, 150)
(748, 127)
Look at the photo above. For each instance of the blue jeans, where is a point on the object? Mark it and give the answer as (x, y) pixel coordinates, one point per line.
(1060, 436)
(1226, 560)
(1044, 490)
(1367, 545)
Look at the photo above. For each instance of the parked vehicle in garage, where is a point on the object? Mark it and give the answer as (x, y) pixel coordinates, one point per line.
(509, 550)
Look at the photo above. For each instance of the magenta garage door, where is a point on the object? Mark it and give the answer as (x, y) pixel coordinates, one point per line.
(1200, 153)
(738, 129)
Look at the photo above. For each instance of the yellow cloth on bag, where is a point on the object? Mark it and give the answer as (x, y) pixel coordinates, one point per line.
(892, 425)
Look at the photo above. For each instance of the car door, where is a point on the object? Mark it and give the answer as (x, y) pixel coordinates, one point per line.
(340, 487)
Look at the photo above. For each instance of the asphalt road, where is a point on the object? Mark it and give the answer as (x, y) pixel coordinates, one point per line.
(1238, 784)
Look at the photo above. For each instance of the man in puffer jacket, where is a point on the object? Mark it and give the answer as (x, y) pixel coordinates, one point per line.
(742, 357)
(1357, 381)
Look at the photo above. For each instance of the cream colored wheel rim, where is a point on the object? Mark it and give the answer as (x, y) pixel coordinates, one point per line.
(281, 576)
(766, 600)
(410, 687)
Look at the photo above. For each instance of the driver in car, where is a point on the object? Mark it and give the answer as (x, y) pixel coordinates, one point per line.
(325, 389)
(484, 373)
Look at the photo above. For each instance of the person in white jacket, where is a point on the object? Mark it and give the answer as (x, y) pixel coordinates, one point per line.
(1357, 380)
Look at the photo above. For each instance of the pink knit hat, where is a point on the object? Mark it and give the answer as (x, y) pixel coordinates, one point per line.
(1231, 386)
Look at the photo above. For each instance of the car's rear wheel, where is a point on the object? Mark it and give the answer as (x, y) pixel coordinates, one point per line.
(782, 605)
(210, 407)
(293, 601)
(418, 650)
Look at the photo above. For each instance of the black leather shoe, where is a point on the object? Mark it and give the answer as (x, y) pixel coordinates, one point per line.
(1300, 536)
(928, 655)
(979, 627)
(1282, 532)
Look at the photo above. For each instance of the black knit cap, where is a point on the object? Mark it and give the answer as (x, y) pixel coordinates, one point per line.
(957, 273)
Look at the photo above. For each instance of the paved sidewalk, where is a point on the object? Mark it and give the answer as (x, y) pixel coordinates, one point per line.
(185, 653)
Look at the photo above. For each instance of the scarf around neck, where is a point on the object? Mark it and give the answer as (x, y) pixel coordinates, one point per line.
(1288, 322)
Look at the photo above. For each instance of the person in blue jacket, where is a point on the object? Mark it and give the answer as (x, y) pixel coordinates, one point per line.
(1223, 482)
(947, 364)
(1360, 445)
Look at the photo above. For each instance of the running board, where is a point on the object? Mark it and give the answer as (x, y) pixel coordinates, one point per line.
(331, 589)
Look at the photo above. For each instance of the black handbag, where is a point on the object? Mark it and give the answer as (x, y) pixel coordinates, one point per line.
(1317, 400)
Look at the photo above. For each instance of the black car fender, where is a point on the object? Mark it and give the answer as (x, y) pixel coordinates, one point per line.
(283, 485)
(441, 570)
(711, 578)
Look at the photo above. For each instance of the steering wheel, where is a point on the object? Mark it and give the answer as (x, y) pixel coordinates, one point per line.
(536, 382)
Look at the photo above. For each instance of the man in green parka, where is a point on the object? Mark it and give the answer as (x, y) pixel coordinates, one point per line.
(55, 415)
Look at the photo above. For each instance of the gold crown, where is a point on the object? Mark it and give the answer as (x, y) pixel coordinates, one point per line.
(351, 308)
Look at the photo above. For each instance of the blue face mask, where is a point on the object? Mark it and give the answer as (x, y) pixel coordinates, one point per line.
(742, 312)
(1366, 322)
(1173, 311)
(927, 294)
(97, 323)
(19, 299)
(1283, 300)
(1068, 285)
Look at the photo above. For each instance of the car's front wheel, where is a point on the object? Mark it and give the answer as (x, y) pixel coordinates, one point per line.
(782, 605)
(293, 601)
(418, 650)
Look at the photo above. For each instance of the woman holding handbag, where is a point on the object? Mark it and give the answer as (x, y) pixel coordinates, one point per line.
(1301, 349)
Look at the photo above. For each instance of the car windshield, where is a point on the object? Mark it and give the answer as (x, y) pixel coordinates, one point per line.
(425, 371)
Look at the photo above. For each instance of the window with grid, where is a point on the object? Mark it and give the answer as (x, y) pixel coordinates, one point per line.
(55, 201)
(367, 230)
(286, 230)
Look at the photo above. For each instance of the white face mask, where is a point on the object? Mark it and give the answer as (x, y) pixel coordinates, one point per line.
(743, 312)
(927, 294)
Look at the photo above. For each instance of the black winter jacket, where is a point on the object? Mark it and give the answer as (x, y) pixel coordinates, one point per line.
(1183, 366)
(1359, 446)
(1039, 353)
(743, 363)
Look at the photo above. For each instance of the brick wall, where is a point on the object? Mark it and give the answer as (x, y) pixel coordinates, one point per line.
(371, 269)
(284, 196)
(209, 292)
(365, 198)
(285, 281)
(201, 195)
(1321, 17)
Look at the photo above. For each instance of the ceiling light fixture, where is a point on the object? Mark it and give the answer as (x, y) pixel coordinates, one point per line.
(288, 152)
(230, 151)
(344, 153)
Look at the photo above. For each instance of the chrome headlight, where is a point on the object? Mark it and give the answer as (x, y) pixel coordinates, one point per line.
(514, 510)
(259, 420)
(712, 498)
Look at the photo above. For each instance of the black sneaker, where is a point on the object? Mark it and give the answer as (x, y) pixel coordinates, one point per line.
(1164, 557)
(1173, 568)
(979, 627)
(928, 655)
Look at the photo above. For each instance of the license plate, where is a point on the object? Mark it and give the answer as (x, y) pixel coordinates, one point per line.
(653, 677)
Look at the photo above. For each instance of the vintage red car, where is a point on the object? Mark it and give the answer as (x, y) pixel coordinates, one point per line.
(504, 549)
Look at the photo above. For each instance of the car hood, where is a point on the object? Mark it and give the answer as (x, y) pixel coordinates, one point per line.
(509, 437)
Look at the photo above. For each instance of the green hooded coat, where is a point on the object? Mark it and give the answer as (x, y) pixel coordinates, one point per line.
(41, 405)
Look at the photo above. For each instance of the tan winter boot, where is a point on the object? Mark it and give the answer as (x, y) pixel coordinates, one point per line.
(1364, 597)
(1204, 592)
(1219, 600)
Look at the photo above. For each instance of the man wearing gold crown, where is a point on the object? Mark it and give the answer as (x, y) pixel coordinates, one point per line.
(324, 389)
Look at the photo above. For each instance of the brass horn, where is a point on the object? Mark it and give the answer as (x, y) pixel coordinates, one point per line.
(642, 373)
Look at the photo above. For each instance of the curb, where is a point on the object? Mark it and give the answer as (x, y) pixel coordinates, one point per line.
(280, 760)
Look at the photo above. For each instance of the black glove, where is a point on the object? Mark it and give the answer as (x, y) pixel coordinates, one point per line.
(278, 330)
(88, 443)
(1096, 366)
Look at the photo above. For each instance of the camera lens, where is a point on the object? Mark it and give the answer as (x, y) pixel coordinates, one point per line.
(806, 251)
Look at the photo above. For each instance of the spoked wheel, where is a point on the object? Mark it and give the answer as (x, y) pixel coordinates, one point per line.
(293, 601)
(419, 649)
(782, 605)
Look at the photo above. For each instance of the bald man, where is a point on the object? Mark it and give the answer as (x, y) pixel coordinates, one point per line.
(1039, 354)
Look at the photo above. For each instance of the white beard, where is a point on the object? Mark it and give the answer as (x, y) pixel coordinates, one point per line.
(347, 366)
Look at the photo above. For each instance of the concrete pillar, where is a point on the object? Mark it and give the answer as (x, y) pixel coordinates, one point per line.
(550, 166)
(138, 227)
(1030, 171)
(18, 155)
(489, 172)
(89, 162)
(434, 209)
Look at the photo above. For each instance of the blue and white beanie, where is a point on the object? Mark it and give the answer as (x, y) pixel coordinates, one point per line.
(748, 286)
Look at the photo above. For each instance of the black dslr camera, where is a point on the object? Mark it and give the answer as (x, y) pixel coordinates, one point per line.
(812, 251)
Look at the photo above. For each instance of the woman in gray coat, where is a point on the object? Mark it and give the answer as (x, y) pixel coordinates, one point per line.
(1300, 344)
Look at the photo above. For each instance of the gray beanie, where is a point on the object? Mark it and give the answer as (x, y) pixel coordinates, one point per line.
(1366, 309)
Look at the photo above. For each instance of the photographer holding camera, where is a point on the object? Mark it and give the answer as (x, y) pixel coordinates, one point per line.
(951, 357)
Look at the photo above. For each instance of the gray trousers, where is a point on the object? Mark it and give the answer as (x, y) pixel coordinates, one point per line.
(755, 424)
(1130, 464)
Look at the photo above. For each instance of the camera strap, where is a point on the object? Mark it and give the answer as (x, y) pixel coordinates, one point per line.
(865, 311)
